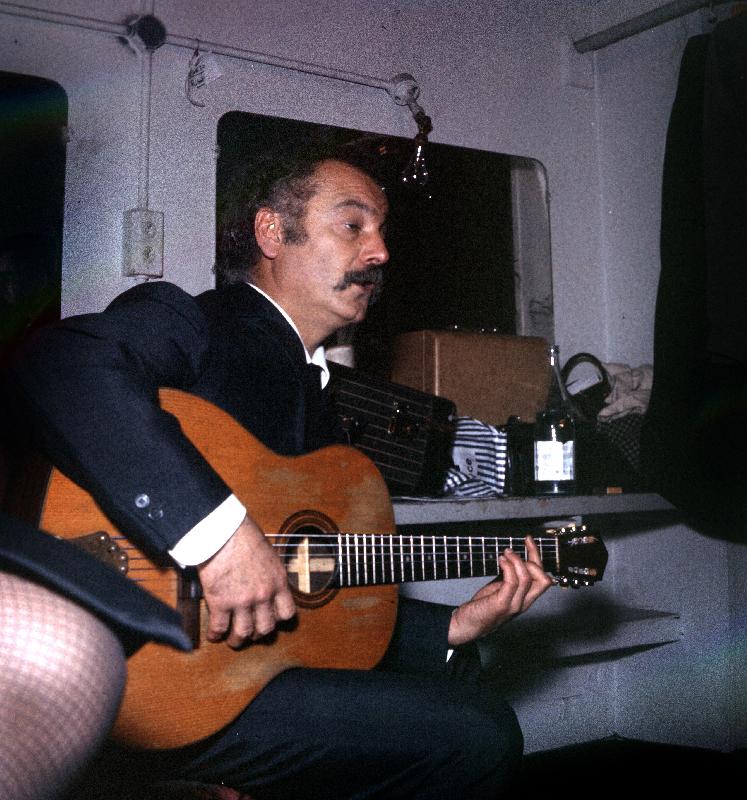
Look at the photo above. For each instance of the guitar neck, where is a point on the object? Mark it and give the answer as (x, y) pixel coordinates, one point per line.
(375, 559)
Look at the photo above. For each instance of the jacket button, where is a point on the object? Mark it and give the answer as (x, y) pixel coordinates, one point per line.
(155, 513)
(142, 501)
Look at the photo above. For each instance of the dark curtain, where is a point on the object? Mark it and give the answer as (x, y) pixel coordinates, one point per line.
(694, 444)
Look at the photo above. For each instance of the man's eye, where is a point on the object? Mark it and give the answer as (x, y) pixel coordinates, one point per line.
(353, 226)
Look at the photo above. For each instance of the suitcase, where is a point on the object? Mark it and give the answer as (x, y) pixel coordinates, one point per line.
(490, 377)
(408, 434)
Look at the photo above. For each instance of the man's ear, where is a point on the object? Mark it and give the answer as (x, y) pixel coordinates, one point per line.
(268, 232)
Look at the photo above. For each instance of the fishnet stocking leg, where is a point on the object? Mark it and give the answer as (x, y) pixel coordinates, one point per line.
(62, 673)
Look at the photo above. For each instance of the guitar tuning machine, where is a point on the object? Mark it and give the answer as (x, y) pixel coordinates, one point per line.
(583, 571)
(571, 583)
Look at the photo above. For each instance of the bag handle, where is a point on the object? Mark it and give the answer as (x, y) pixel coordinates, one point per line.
(589, 401)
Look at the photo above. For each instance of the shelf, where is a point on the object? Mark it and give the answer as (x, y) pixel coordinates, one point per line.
(419, 511)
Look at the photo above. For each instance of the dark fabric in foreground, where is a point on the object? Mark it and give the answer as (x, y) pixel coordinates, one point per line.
(132, 613)
(694, 436)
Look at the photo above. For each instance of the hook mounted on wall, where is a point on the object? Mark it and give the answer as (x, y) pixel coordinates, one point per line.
(201, 70)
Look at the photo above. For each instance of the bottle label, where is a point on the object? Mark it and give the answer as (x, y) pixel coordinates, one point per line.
(553, 461)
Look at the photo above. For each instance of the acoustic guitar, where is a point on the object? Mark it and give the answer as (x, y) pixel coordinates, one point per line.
(329, 515)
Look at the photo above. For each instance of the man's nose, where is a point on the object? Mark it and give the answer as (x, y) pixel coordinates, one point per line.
(376, 251)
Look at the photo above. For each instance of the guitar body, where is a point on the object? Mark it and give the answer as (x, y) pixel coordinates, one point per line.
(174, 698)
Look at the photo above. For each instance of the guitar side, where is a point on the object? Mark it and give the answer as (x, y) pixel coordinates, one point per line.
(175, 698)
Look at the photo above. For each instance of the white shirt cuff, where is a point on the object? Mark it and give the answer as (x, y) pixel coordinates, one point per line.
(210, 534)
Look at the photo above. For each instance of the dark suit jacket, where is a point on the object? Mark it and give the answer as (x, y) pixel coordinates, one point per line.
(135, 616)
(89, 384)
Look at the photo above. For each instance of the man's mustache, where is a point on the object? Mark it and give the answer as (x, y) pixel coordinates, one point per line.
(371, 276)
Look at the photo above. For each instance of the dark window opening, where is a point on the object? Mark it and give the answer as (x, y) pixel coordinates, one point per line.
(33, 126)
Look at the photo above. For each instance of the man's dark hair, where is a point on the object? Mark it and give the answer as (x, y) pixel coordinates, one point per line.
(284, 183)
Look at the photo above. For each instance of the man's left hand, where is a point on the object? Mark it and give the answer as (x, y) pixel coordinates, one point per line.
(521, 584)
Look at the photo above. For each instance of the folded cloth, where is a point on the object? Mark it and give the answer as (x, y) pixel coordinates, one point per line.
(630, 390)
(479, 460)
(133, 614)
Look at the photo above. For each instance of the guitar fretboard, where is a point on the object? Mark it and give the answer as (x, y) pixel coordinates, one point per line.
(375, 559)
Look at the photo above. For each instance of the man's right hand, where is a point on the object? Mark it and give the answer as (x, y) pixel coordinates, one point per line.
(245, 586)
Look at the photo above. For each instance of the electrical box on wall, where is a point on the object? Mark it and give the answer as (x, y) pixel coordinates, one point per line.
(142, 246)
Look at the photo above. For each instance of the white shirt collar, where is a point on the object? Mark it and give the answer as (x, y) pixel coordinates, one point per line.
(317, 357)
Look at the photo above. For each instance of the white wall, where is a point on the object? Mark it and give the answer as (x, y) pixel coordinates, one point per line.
(491, 73)
(499, 76)
(636, 83)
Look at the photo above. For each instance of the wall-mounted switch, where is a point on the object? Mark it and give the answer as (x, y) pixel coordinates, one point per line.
(142, 246)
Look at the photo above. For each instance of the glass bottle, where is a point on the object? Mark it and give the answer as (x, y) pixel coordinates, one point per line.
(555, 437)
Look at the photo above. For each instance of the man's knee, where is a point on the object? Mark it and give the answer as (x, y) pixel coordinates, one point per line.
(480, 754)
(499, 742)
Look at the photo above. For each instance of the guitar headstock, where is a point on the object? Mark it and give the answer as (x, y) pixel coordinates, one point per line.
(580, 556)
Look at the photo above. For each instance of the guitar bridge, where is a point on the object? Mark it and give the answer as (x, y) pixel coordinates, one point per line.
(101, 546)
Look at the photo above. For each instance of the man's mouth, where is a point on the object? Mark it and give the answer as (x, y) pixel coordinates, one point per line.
(371, 278)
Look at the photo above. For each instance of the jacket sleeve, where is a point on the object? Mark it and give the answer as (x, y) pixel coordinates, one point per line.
(85, 391)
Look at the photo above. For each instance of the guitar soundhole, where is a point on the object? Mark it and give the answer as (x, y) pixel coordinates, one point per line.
(310, 553)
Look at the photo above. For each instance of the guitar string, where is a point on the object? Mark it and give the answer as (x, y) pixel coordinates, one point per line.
(333, 536)
(411, 551)
(416, 554)
(417, 557)
(405, 557)
(456, 541)
(429, 545)
(417, 564)
(429, 552)
(405, 544)
(374, 544)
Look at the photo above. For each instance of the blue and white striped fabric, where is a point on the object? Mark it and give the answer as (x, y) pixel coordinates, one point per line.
(479, 455)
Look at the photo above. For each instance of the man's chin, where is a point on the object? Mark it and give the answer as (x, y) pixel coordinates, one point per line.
(355, 309)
